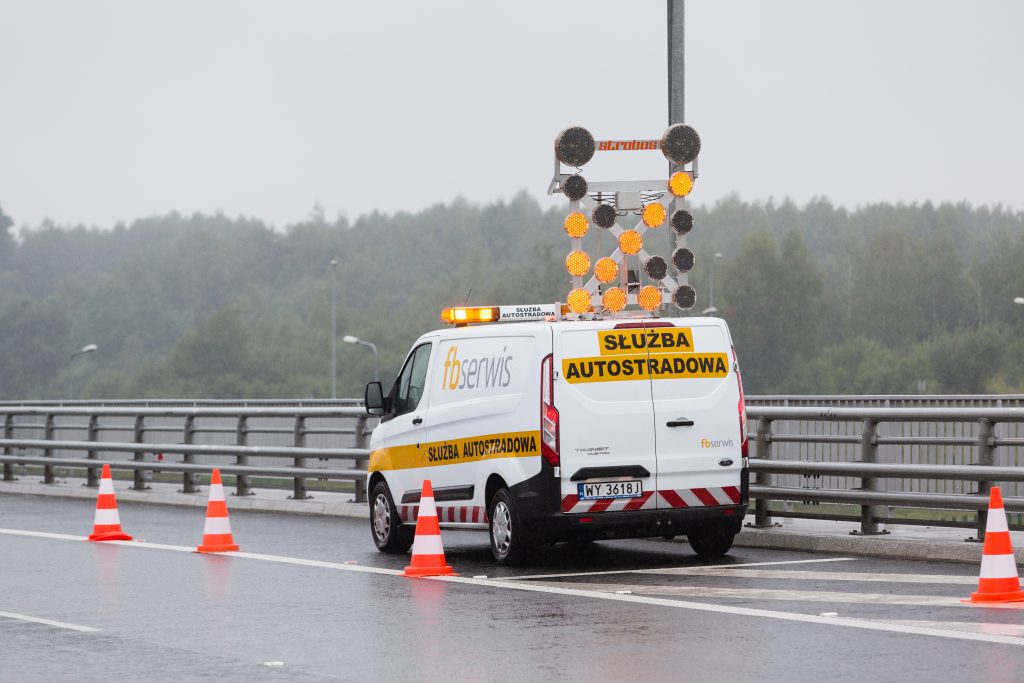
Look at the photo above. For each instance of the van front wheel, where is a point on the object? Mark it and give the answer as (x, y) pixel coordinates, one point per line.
(508, 543)
(389, 534)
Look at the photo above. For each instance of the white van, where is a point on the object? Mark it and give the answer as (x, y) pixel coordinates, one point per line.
(560, 430)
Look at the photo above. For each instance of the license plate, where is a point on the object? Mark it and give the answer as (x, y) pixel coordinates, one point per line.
(611, 489)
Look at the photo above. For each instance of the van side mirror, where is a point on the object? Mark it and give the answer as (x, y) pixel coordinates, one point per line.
(373, 399)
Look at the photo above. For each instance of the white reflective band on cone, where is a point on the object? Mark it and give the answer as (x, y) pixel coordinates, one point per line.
(217, 525)
(106, 485)
(105, 517)
(427, 545)
(427, 507)
(998, 567)
(996, 521)
(216, 491)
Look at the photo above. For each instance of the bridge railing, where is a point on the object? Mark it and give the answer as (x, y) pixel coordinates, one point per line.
(880, 457)
(874, 452)
(297, 441)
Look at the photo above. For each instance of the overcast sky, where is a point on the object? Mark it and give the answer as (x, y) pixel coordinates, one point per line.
(110, 111)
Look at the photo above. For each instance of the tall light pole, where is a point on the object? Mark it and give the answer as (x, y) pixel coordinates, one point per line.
(711, 287)
(334, 328)
(349, 339)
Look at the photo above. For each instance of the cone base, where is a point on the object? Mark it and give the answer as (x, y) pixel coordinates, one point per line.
(1011, 596)
(217, 549)
(110, 536)
(429, 571)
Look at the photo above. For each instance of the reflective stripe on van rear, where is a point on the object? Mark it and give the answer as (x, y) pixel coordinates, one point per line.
(669, 498)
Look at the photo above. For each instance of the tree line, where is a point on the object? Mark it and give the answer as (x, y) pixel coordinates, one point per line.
(885, 298)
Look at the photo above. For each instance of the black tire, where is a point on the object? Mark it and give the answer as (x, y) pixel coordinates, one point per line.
(710, 543)
(389, 534)
(509, 544)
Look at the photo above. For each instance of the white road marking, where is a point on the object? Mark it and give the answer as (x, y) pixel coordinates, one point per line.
(747, 611)
(679, 570)
(977, 627)
(865, 624)
(48, 622)
(772, 594)
(740, 571)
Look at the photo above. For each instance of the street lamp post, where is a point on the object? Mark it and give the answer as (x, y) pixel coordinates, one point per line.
(349, 339)
(334, 328)
(711, 287)
(88, 348)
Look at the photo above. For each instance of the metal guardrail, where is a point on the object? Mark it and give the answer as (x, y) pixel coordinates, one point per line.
(294, 436)
(977, 440)
(876, 452)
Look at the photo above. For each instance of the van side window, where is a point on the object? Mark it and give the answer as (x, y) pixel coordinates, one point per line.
(412, 380)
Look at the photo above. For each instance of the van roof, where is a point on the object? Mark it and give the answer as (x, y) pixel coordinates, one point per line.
(499, 328)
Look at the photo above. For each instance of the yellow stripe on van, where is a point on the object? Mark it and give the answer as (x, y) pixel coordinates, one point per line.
(661, 366)
(654, 340)
(456, 451)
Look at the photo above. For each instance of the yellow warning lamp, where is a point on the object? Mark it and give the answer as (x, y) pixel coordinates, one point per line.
(680, 183)
(649, 298)
(579, 301)
(464, 315)
(654, 215)
(606, 270)
(631, 242)
(576, 224)
(577, 263)
(614, 300)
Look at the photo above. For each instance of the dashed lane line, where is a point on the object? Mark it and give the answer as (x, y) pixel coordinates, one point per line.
(533, 587)
(741, 572)
(49, 622)
(771, 594)
(679, 570)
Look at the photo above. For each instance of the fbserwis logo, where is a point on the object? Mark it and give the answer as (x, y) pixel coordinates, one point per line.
(707, 443)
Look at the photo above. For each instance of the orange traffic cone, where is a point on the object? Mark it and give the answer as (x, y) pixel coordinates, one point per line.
(217, 529)
(998, 581)
(427, 551)
(107, 523)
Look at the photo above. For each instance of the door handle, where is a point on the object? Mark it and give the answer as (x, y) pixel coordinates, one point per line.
(419, 421)
(680, 422)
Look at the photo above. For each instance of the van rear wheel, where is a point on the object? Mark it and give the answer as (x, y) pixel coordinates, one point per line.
(509, 544)
(710, 543)
(389, 534)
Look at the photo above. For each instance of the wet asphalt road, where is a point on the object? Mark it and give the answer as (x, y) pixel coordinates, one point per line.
(162, 614)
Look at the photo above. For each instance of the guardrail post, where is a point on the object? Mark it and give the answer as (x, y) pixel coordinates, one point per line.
(361, 442)
(189, 479)
(986, 457)
(869, 454)
(91, 432)
(299, 440)
(8, 434)
(762, 513)
(242, 484)
(48, 430)
(139, 436)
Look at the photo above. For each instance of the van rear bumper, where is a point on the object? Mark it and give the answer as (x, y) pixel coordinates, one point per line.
(636, 523)
(541, 514)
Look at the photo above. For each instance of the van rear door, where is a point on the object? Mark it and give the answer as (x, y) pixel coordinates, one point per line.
(606, 431)
(696, 413)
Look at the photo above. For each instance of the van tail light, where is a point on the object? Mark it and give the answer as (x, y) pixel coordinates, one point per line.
(548, 414)
(742, 407)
